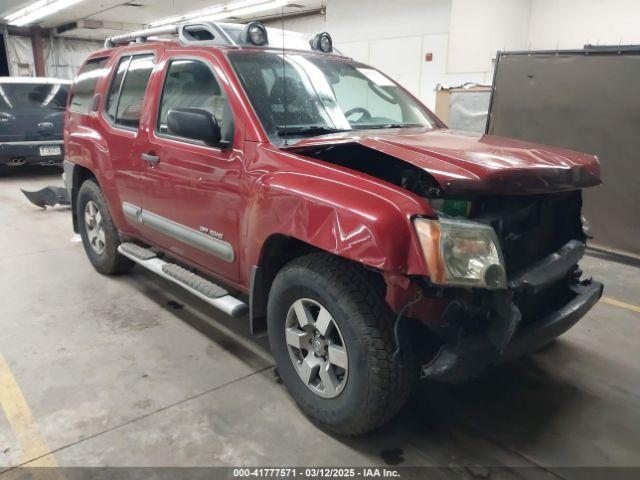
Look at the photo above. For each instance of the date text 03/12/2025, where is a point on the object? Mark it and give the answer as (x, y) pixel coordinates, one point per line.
(315, 472)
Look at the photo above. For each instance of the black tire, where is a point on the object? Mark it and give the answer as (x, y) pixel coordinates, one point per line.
(4, 170)
(109, 262)
(377, 386)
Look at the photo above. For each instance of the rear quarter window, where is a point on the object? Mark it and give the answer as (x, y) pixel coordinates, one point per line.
(127, 91)
(84, 86)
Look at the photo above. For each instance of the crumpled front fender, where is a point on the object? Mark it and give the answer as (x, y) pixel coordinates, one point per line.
(367, 223)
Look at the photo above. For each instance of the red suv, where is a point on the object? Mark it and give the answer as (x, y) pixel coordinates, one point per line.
(373, 244)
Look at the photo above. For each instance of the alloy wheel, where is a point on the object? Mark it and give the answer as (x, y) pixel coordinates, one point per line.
(316, 348)
(94, 226)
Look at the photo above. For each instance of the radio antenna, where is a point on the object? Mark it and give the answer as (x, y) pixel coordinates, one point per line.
(284, 77)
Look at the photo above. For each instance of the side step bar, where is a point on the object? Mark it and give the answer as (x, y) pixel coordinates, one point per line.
(208, 291)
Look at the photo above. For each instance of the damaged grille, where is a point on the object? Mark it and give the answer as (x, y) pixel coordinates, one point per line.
(534, 226)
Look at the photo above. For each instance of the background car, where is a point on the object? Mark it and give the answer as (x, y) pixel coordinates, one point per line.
(31, 119)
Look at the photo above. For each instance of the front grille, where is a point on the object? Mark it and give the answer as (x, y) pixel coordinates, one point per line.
(533, 226)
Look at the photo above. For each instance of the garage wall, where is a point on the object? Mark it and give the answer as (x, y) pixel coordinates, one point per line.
(20, 56)
(479, 29)
(394, 40)
(463, 36)
(397, 40)
(567, 24)
(64, 56)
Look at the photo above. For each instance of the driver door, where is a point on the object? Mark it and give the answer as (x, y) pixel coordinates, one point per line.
(192, 191)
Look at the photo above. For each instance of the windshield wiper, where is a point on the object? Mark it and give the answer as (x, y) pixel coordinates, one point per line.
(308, 130)
(390, 125)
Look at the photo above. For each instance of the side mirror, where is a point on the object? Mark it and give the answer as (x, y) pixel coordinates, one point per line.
(195, 124)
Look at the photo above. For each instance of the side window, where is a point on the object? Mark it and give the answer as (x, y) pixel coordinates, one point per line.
(84, 85)
(116, 83)
(191, 83)
(129, 85)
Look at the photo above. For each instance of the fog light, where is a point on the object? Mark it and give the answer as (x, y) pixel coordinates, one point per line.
(255, 33)
(322, 42)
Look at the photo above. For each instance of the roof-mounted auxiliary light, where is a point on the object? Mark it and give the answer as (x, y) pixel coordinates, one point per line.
(255, 33)
(322, 42)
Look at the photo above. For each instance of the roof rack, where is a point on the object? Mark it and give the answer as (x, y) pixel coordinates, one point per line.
(206, 33)
(201, 32)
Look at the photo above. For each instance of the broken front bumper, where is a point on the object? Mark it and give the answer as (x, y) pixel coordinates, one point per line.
(510, 336)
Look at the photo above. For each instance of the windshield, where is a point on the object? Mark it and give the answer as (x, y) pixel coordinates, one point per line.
(18, 96)
(315, 94)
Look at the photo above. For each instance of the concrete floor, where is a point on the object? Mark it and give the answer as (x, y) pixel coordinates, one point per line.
(132, 371)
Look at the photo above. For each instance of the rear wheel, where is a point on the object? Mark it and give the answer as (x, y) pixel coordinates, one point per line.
(99, 234)
(331, 333)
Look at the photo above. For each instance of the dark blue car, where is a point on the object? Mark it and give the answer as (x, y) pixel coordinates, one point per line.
(31, 120)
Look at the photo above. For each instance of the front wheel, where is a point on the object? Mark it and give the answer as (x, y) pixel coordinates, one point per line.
(99, 235)
(331, 333)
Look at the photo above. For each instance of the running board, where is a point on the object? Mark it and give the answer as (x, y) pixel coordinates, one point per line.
(202, 288)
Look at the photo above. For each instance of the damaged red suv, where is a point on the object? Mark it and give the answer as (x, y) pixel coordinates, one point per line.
(267, 174)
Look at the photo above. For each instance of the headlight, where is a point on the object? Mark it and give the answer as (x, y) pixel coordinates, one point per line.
(462, 253)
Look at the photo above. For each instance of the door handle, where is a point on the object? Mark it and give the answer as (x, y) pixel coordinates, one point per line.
(152, 159)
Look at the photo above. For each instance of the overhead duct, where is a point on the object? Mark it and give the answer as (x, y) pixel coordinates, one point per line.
(80, 24)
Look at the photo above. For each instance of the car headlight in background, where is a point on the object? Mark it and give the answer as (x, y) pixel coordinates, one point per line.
(461, 253)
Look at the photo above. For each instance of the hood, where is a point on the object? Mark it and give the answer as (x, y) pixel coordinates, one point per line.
(468, 163)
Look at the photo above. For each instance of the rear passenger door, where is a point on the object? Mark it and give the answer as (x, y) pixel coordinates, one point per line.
(121, 119)
(192, 191)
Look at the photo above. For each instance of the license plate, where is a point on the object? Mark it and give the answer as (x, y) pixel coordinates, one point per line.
(50, 150)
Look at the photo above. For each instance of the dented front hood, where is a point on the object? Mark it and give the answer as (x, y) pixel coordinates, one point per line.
(468, 163)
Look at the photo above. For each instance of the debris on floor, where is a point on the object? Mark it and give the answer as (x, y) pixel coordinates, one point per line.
(48, 196)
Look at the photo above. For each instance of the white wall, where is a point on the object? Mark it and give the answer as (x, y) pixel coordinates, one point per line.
(20, 56)
(393, 37)
(567, 24)
(479, 29)
(464, 35)
(64, 56)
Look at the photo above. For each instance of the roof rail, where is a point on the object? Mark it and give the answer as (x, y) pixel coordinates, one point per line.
(192, 32)
(140, 35)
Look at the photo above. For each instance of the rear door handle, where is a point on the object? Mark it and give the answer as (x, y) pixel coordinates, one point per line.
(152, 159)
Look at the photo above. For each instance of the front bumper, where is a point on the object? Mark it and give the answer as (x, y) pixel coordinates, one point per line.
(29, 152)
(512, 336)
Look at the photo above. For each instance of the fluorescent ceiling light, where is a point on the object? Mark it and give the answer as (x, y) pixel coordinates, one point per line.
(219, 12)
(38, 10)
(26, 10)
